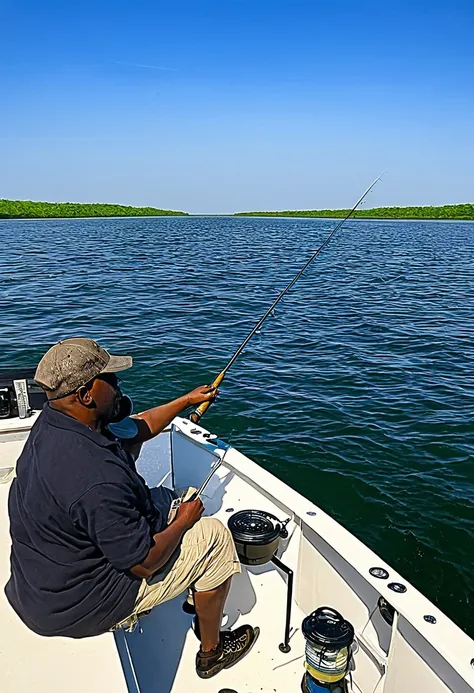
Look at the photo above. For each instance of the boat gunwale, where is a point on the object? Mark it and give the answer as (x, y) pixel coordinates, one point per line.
(412, 605)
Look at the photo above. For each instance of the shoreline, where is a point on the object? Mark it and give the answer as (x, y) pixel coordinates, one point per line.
(459, 220)
(27, 210)
(125, 216)
(268, 216)
(463, 211)
(36, 209)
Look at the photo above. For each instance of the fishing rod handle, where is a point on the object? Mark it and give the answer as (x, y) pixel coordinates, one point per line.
(202, 409)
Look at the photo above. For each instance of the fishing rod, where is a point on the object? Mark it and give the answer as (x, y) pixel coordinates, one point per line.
(196, 415)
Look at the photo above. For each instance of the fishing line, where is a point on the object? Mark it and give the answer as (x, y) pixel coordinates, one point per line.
(201, 410)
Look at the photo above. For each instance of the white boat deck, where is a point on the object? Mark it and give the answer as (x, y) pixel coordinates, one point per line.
(163, 651)
(330, 567)
(160, 656)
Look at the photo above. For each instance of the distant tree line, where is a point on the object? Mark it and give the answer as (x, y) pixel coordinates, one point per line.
(24, 209)
(464, 211)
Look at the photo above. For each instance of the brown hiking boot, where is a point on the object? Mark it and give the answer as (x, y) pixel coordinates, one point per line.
(233, 645)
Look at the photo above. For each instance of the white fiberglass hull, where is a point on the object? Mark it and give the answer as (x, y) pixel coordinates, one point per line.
(331, 568)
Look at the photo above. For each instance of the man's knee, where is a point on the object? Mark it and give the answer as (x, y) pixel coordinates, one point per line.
(221, 560)
(217, 531)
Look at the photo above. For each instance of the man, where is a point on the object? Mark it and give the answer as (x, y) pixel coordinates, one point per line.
(86, 534)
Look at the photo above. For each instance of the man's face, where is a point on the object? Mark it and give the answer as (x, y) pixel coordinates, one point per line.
(106, 393)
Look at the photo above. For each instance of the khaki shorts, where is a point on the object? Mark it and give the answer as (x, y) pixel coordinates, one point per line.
(204, 560)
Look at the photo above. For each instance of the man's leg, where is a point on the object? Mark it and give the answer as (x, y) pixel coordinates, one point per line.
(206, 562)
(210, 608)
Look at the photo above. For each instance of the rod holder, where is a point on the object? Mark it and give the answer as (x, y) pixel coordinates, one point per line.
(285, 645)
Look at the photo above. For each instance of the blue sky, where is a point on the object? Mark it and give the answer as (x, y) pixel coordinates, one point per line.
(235, 105)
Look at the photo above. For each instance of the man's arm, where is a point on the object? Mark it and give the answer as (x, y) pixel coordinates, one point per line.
(153, 421)
(168, 540)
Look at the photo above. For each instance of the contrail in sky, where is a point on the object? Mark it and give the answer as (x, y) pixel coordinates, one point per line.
(145, 67)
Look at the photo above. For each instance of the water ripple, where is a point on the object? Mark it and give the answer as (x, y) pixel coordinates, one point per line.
(359, 392)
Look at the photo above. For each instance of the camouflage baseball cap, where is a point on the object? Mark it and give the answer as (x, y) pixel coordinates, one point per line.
(74, 362)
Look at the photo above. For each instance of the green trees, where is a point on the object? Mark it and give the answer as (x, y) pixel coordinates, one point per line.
(464, 211)
(25, 209)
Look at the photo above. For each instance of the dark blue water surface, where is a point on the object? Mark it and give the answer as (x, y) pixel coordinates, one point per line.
(359, 393)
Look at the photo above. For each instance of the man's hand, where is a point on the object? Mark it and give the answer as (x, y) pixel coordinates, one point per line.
(190, 512)
(155, 420)
(203, 393)
(167, 541)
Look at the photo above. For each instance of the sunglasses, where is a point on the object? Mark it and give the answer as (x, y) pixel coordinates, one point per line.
(110, 378)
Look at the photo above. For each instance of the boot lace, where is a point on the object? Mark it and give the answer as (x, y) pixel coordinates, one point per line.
(232, 644)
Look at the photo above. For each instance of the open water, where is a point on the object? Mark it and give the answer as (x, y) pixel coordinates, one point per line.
(359, 393)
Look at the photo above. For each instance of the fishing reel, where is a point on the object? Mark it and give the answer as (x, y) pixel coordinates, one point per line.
(122, 426)
(125, 409)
